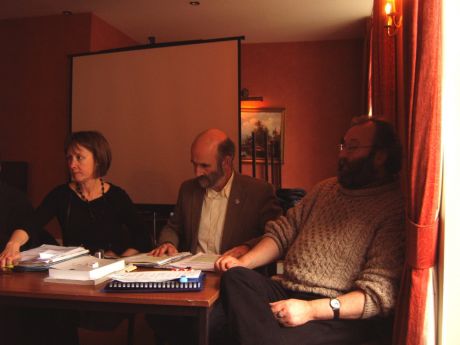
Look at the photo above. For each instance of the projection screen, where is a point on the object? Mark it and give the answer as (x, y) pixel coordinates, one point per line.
(150, 103)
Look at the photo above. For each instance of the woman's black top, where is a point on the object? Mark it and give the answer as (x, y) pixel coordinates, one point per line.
(109, 222)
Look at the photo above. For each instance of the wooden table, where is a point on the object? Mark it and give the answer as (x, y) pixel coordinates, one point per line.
(29, 289)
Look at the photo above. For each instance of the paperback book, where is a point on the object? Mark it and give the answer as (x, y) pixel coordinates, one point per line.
(85, 268)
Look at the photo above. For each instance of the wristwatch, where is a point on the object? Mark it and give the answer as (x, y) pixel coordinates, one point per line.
(334, 303)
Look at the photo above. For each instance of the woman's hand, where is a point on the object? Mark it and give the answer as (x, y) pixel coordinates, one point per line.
(10, 255)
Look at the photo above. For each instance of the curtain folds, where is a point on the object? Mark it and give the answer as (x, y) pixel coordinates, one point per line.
(406, 90)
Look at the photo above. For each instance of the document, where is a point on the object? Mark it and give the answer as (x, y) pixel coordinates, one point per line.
(147, 260)
(200, 261)
(41, 258)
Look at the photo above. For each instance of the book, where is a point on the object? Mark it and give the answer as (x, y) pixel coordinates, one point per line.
(162, 281)
(85, 268)
(97, 281)
(41, 258)
(147, 260)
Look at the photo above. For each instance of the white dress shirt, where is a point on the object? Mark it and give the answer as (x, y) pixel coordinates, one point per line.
(212, 220)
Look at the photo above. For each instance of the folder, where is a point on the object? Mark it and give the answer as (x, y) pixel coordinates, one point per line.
(175, 285)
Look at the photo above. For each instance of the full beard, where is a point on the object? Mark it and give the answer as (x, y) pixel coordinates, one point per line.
(210, 180)
(356, 174)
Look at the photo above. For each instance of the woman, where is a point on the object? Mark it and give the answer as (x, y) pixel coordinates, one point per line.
(91, 212)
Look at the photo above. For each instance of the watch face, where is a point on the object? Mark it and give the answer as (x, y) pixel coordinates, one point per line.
(335, 303)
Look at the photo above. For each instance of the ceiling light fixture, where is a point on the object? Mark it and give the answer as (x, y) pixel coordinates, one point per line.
(194, 3)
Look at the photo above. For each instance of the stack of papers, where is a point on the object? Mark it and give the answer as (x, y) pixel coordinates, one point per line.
(41, 258)
(147, 260)
(200, 261)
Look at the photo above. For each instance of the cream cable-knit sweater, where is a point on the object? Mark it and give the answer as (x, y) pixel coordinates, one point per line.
(338, 240)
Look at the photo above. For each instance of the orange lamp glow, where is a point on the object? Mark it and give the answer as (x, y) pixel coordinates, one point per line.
(393, 19)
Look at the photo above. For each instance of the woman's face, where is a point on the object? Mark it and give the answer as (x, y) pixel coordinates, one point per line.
(80, 162)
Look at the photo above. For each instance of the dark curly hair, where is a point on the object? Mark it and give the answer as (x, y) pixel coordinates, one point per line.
(385, 138)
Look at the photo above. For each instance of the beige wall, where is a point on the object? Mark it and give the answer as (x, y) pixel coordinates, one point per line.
(34, 94)
(320, 86)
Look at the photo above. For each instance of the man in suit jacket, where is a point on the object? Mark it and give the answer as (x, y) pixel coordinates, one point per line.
(219, 211)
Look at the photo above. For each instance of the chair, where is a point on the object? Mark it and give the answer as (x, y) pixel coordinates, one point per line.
(288, 197)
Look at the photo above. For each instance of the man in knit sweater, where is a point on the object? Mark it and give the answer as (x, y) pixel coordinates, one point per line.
(343, 246)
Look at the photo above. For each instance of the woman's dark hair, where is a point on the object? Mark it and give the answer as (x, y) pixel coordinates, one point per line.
(94, 142)
(385, 138)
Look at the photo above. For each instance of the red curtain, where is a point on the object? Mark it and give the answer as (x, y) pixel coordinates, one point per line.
(406, 90)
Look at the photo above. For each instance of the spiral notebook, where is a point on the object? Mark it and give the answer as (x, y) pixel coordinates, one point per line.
(182, 284)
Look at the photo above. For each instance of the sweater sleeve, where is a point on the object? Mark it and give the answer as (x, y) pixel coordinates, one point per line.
(284, 230)
(382, 271)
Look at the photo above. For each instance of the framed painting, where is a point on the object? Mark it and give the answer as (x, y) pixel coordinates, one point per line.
(262, 132)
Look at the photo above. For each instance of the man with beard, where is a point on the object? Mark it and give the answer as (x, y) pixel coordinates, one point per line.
(343, 246)
(219, 211)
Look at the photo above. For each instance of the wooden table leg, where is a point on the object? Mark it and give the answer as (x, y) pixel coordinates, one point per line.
(203, 326)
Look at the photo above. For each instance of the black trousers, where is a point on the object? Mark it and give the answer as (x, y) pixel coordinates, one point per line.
(246, 295)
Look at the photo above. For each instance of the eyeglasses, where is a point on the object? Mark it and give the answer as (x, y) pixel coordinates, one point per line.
(352, 147)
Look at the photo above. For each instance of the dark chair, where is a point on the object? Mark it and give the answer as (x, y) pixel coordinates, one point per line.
(155, 217)
(288, 197)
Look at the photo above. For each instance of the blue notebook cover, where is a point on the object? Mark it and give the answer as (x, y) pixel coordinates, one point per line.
(192, 284)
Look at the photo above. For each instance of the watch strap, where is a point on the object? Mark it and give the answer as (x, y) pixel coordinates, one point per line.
(334, 303)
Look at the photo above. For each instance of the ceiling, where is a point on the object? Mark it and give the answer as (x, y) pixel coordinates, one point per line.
(177, 20)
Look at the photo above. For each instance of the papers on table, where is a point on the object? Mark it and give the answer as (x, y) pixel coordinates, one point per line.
(200, 261)
(147, 260)
(41, 258)
(155, 276)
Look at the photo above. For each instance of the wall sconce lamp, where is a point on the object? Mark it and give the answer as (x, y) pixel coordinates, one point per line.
(393, 20)
(245, 96)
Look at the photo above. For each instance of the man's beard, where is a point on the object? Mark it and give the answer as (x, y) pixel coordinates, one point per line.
(358, 173)
(211, 179)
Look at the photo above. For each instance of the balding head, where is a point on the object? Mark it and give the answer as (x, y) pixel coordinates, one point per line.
(212, 155)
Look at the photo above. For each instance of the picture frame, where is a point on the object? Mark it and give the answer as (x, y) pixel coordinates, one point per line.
(268, 127)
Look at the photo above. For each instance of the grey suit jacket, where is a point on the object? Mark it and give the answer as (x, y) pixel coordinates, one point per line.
(251, 204)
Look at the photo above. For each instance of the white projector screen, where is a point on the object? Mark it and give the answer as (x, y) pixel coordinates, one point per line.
(150, 103)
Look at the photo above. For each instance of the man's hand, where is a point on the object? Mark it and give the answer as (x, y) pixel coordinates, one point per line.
(164, 249)
(226, 262)
(237, 251)
(292, 312)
